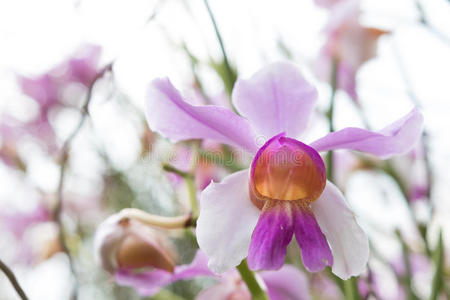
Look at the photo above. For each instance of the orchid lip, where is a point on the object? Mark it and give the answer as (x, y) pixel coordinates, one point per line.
(288, 170)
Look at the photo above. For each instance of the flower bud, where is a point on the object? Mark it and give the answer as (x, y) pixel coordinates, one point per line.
(123, 242)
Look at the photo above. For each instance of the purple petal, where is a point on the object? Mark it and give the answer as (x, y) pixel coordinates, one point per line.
(397, 138)
(43, 89)
(316, 253)
(276, 99)
(168, 114)
(271, 236)
(288, 283)
(198, 267)
(149, 283)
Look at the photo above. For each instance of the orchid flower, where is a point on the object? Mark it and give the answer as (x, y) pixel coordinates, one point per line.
(132, 246)
(347, 42)
(254, 213)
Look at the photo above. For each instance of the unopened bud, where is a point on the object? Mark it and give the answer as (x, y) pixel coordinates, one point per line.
(123, 242)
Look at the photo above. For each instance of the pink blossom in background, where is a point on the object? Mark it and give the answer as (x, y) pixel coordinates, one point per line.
(288, 283)
(10, 135)
(83, 67)
(327, 3)
(148, 283)
(47, 90)
(347, 43)
(18, 222)
(249, 213)
(324, 287)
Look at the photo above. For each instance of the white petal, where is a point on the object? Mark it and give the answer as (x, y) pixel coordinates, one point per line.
(349, 243)
(226, 222)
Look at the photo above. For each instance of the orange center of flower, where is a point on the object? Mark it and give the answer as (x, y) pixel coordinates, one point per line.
(286, 169)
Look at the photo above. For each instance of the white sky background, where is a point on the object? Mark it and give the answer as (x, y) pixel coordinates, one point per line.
(36, 35)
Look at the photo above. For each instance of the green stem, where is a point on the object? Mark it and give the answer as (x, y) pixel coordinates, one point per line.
(189, 179)
(438, 280)
(230, 73)
(171, 169)
(406, 261)
(250, 280)
(334, 82)
(421, 228)
(190, 182)
(351, 289)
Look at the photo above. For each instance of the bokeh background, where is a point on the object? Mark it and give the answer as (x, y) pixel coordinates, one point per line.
(61, 47)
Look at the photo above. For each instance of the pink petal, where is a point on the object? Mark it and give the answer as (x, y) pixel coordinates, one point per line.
(277, 98)
(288, 283)
(397, 138)
(271, 236)
(316, 253)
(327, 3)
(149, 283)
(348, 241)
(220, 291)
(226, 222)
(170, 115)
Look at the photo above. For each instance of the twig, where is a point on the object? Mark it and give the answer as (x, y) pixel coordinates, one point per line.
(424, 21)
(12, 278)
(62, 174)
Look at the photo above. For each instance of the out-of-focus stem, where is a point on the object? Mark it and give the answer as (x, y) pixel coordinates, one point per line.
(424, 21)
(416, 101)
(189, 179)
(12, 278)
(438, 280)
(219, 39)
(429, 170)
(407, 263)
(190, 182)
(171, 169)
(253, 285)
(62, 174)
(334, 82)
(223, 69)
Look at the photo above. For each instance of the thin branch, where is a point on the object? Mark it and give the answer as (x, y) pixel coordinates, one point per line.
(65, 149)
(431, 28)
(330, 114)
(12, 278)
